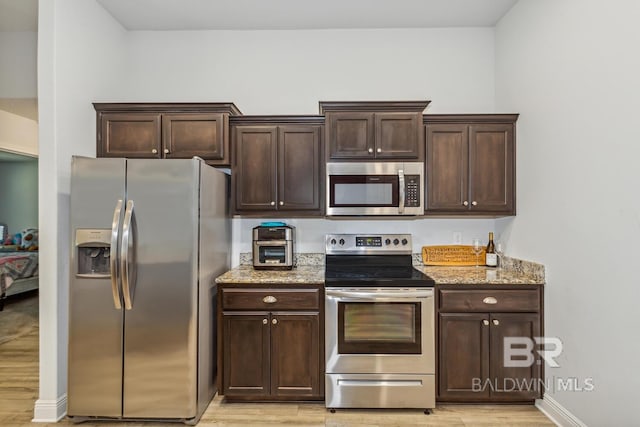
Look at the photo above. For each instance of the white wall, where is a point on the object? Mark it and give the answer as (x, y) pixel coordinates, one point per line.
(19, 195)
(288, 72)
(81, 54)
(18, 59)
(569, 68)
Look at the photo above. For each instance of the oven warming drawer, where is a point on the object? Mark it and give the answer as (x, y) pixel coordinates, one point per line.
(373, 391)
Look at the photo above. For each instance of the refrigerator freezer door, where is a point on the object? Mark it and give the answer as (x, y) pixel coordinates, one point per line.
(95, 324)
(160, 350)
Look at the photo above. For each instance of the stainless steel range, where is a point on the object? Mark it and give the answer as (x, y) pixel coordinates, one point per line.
(379, 330)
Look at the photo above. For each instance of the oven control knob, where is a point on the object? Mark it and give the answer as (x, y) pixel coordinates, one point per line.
(405, 241)
(387, 242)
(396, 241)
(333, 241)
(341, 242)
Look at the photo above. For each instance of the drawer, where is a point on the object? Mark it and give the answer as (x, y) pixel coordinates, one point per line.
(499, 300)
(270, 299)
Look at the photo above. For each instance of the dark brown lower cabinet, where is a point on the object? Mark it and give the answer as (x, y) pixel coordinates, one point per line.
(472, 363)
(271, 355)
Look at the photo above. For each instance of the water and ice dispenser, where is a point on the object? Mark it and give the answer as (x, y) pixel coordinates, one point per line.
(93, 253)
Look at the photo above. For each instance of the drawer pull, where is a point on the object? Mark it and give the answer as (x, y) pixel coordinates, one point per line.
(269, 299)
(490, 300)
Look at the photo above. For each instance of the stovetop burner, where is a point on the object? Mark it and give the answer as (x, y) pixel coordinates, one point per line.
(372, 261)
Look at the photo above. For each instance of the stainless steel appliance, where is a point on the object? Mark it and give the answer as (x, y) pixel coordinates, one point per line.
(273, 247)
(149, 237)
(375, 188)
(379, 312)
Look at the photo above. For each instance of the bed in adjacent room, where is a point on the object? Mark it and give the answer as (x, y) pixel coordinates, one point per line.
(18, 273)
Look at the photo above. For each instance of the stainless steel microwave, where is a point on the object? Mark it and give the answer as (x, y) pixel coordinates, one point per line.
(375, 188)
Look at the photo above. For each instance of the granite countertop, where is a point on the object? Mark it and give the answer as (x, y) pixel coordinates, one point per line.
(314, 274)
(480, 276)
(303, 274)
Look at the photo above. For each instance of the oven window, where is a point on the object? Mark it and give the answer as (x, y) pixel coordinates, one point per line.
(272, 254)
(379, 328)
(363, 190)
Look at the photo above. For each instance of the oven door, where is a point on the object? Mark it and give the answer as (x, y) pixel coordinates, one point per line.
(387, 331)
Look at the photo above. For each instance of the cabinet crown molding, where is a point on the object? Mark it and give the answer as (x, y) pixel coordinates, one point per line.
(169, 107)
(383, 106)
(469, 118)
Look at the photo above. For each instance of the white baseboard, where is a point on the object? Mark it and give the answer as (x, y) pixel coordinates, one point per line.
(558, 413)
(50, 411)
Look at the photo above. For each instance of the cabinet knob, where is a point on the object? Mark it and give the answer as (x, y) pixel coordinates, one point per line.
(474, 203)
(485, 322)
(496, 322)
(370, 150)
(273, 203)
(269, 299)
(281, 203)
(274, 321)
(265, 321)
(490, 300)
(154, 151)
(379, 150)
(166, 151)
(465, 203)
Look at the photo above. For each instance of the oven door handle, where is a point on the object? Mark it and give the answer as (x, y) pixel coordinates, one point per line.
(377, 295)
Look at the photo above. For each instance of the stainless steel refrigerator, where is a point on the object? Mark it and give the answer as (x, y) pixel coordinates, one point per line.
(148, 239)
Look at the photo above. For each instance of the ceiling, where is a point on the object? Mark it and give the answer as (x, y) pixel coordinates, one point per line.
(157, 15)
(165, 15)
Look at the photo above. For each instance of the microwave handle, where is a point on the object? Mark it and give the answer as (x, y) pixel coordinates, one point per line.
(401, 194)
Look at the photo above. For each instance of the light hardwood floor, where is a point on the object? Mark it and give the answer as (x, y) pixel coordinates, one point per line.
(19, 390)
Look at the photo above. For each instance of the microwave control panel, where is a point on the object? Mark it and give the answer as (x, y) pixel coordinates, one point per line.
(412, 191)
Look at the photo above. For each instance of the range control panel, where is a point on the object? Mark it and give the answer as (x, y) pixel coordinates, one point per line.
(382, 244)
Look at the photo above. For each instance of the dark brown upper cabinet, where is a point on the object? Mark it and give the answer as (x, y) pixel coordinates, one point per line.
(470, 165)
(171, 131)
(365, 131)
(277, 167)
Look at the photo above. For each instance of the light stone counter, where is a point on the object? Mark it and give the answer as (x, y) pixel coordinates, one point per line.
(515, 273)
(302, 275)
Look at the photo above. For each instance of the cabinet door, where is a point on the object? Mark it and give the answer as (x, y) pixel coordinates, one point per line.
(132, 135)
(491, 168)
(463, 356)
(246, 354)
(447, 167)
(299, 161)
(350, 135)
(254, 173)
(295, 354)
(399, 135)
(202, 135)
(514, 383)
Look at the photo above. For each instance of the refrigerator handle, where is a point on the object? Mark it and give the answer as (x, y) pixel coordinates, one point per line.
(128, 283)
(113, 263)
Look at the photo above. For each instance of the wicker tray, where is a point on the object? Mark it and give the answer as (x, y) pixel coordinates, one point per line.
(451, 255)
